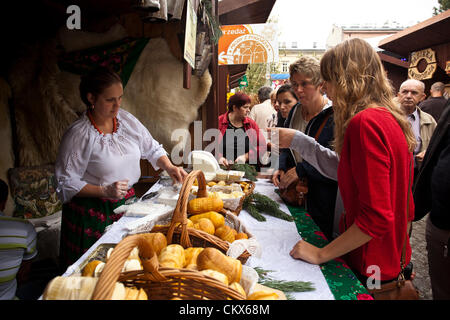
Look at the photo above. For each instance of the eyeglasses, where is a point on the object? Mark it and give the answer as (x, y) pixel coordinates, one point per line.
(303, 84)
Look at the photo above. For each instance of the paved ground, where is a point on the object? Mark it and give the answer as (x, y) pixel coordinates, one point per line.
(419, 259)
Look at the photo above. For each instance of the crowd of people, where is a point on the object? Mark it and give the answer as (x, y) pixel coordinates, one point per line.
(361, 149)
(370, 161)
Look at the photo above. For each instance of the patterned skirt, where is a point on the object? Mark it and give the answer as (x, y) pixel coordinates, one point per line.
(83, 222)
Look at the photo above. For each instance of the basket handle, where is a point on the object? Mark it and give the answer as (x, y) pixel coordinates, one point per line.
(180, 211)
(110, 274)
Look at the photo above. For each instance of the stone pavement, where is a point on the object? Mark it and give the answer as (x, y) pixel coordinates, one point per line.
(420, 260)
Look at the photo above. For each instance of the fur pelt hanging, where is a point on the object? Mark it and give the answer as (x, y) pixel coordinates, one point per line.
(42, 111)
(7, 155)
(46, 99)
(155, 93)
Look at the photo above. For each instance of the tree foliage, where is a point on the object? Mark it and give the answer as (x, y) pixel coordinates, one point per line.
(256, 75)
(444, 5)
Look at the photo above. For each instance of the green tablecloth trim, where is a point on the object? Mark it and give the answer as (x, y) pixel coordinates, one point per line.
(342, 281)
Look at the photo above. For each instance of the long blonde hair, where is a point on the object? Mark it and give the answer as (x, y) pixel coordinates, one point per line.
(359, 79)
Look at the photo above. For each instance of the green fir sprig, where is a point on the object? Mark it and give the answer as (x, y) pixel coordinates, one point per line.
(282, 285)
(256, 203)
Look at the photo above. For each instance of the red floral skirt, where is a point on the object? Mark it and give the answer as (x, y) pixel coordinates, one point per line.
(83, 222)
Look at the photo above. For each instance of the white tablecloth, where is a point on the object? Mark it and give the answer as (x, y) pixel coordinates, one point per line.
(276, 237)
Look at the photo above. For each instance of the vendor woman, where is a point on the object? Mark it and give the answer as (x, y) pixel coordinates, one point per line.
(99, 161)
(240, 139)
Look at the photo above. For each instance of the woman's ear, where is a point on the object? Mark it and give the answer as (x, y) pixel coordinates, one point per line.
(91, 98)
(321, 87)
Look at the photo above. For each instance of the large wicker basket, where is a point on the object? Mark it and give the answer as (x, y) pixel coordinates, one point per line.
(178, 232)
(158, 283)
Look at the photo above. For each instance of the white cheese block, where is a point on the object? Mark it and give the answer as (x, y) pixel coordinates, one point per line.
(204, 161)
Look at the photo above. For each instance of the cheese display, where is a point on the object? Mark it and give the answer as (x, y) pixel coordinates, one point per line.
(82, 288)
(204, 161)
(211, 258)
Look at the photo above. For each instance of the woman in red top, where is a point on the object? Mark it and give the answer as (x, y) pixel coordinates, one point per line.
(240, 139)
(375, 144)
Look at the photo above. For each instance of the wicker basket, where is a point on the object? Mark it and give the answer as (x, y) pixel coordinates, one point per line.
(158, 283)
(178, 232)
(249, 192)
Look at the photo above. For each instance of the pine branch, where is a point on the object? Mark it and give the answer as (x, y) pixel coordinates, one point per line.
(265, 204)
(282, 285)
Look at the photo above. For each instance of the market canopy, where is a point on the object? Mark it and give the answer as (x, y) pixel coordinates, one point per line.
(431, 32)
(279, 76)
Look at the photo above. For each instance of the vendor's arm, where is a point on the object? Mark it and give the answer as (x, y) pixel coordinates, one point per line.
(116, 190)
(176, 173)
(323, 159)
(154, 152)
(72, 160)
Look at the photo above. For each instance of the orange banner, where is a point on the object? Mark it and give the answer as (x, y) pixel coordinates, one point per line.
(249, 43)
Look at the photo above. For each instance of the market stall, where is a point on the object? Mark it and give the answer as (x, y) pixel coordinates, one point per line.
(275, 238)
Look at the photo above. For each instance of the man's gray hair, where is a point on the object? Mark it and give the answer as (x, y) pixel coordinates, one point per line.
(438, 87)
(418, 82)
(264, 93)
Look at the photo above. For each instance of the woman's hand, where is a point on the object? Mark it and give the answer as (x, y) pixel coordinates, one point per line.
(176, 173)
(307, 252)
(223, 161)
(276, 177)
(242, 158)
(116, 190)
(289, 177)
(282, 137)
(419, 157)
(348, 241)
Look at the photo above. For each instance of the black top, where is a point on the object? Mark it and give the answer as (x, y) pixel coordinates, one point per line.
(434, 106)
(235, 142)
(280, 120)
(287, 160)
(321, 196)
(432, 187)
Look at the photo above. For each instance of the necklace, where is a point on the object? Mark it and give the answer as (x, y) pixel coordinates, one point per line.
(232, 122)
(89, 114)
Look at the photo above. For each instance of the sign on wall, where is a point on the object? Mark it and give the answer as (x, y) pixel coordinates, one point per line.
(429, 57)
(190, 34)
(248, 43)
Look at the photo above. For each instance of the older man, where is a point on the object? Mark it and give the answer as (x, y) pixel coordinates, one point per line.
(411, 93)
(262, 113)
(436, 103)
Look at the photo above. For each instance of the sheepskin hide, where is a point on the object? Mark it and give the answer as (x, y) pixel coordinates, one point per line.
(42, 111)
(74, 40)
(155, 93)
(7, 155)
(46, 99)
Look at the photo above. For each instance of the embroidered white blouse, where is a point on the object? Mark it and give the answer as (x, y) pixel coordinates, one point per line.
(87, 157)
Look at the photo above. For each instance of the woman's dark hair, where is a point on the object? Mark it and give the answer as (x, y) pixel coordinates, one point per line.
(238, 100)
(96, 81)
(287, 88)
(3, 191)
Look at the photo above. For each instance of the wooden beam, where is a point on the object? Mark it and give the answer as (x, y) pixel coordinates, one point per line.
(393, 60)
(414, 28)
(187, 75)
(226, 6)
